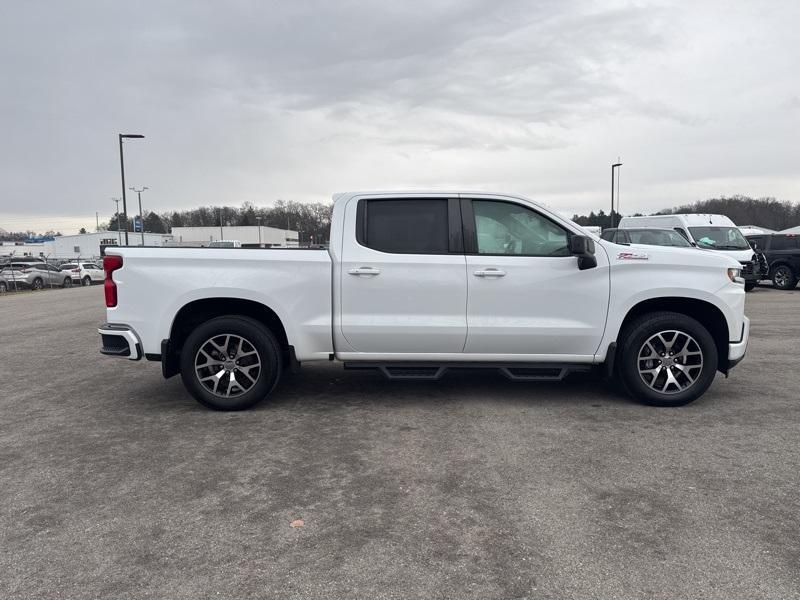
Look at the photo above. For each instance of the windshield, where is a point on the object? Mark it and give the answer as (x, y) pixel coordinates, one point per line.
(657, 237)
(719, 238)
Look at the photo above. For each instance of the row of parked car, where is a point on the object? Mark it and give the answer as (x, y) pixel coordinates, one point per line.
(774, 257)
(36, 274)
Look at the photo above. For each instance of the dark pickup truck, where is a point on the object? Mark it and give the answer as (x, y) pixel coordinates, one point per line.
(782, 251)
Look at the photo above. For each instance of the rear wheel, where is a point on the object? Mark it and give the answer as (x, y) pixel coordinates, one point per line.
(783, 278)
(230, 363)
(38, 283)
(67, 282)
(3, 287)
(87, 281)
(667, 359)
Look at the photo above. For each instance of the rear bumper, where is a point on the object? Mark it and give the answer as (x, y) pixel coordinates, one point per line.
(120, 341)
(737, 350)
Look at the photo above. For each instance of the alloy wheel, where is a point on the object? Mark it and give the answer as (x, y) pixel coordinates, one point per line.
(781, 277)
(227, 365)
(670, 362)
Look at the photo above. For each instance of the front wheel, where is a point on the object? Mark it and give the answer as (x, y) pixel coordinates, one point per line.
(230, 363)
(667, 359)
(87, 281)
(783, 278)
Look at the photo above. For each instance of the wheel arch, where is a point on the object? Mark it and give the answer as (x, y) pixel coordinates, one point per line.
(199, 311)
(710, 316)
(781, 262)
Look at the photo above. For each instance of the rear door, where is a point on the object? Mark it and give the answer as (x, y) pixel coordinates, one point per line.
(526, 293)
(784, 249)
(403, 281)
(55, 275)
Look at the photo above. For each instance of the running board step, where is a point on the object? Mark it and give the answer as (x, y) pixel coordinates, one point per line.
(433, 371)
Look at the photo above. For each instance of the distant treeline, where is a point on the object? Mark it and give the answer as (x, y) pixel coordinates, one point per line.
(742, 210)
(314, 220)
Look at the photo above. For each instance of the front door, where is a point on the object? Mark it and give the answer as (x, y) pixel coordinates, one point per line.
(526, 293)
(403, 279)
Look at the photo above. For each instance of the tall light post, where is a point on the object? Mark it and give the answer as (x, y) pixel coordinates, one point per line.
(125, 136)
(614, 166)
(119, 238)
(141, 216)
(258, 220)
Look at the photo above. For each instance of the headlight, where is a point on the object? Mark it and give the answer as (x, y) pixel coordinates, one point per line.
(735, 275)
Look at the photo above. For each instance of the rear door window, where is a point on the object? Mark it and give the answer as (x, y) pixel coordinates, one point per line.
(418, 226)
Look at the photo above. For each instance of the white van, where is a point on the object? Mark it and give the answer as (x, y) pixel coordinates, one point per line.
(710, 232)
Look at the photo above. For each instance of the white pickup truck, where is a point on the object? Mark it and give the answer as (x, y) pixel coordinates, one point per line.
(417, 283)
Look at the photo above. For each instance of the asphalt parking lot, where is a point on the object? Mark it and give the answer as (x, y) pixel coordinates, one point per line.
(114, 483)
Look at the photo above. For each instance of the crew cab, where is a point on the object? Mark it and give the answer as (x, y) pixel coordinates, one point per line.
(416, 284)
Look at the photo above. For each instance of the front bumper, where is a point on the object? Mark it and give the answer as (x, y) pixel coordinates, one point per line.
(750, 270)
(737, 350)
(120, 341)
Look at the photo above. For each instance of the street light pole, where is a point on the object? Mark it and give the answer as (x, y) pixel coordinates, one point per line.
(119, 238)
(258, 220)
(614, 166)
(141, 216)
(122, 172)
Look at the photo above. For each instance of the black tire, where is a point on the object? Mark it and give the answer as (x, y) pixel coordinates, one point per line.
(633, 340)
(67, 283)
(86, 281)
(783, 277)
(3, 287)
(255, 334)
(749, 286)
(38, 283)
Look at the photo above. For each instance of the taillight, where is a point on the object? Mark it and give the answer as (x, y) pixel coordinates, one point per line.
(110, 264)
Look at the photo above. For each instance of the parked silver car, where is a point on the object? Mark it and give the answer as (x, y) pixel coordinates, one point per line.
(35, 275)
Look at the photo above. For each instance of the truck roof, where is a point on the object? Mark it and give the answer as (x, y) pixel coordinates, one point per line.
(690, 220)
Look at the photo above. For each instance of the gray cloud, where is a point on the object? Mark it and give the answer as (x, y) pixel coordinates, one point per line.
(255, 101)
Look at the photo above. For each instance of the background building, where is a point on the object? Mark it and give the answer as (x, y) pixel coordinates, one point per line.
(249, 236)
(87, 245)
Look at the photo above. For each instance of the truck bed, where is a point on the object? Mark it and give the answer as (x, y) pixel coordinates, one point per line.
(154, 284)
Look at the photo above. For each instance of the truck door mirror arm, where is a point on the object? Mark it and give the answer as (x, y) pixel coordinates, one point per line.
(583, 247)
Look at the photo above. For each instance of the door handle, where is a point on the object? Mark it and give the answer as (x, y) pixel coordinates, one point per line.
(364, 271)
(490, 272)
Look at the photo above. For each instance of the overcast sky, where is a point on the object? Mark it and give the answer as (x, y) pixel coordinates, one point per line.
(256, 101)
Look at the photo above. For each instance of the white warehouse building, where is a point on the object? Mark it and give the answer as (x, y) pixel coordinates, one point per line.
(87, 245)
(249, 235)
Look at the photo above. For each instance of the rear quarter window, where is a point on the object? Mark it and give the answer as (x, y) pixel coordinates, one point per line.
(783, 242)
